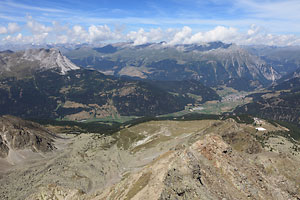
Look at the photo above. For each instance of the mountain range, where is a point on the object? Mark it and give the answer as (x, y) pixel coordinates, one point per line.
(281, 102)
(284, 60)
(80, 149)
(44, 84)
(212, 64)
(151, 79)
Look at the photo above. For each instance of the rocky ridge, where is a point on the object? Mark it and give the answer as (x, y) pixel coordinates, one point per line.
(32, 60)
(206, 159)
(211, 169)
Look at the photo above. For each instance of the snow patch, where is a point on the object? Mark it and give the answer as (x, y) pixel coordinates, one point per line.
(164, 131)
(260, 129)
(143, 141)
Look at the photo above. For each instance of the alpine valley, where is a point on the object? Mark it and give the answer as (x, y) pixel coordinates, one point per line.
(151, 121)
(42, 83)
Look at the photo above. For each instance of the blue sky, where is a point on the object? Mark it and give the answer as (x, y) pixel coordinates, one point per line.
(241, 21)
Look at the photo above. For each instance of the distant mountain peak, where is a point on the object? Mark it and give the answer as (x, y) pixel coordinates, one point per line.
(25, 63)
(212, 63)
(50, 59)
(7, 51)
(296, 74)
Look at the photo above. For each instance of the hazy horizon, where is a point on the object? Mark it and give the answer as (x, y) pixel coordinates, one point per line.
(246, 22)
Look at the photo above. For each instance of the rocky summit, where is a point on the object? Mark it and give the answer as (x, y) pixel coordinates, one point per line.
(200, 159)
(24, 63)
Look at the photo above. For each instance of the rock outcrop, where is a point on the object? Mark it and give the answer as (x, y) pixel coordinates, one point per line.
(211, 169)
(25, 63)
(190, 160)
(17, 135)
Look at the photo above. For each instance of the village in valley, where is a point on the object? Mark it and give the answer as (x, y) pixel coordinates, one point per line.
(230, 100)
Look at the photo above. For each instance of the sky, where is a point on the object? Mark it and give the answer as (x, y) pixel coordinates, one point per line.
(245, 22)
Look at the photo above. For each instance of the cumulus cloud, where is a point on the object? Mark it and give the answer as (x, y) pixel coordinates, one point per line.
(36, 27)
(253, 30)
(254, 35)
(91, 34)
(3, 30)
(271, 39)
(20, 39)
(13, 27)
(220, 33)
(57, 33)
(182, 36)
(101, 33)
(138, 37)
(74, 35)
(62, 39)
(58, 28)
(142, 37)
(39, 38)
(13, 39)
(10, 29)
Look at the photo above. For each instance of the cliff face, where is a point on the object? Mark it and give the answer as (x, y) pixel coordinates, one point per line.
(18, 136)
(24, 63)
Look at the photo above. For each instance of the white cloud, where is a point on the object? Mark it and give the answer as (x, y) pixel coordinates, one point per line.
(270, 39)
(182, 36)
(76, 34)
(253, 30)
(39, 38)
(101, 33)
(36, 27)
(3, 30)
(58, 28)
(13, 39)
(220, 33)
(141, 36)
(156, 35)
(57, 33)
(78, 30)
(13, 27)
(138, 37)
(19, 36)
(62, 39)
